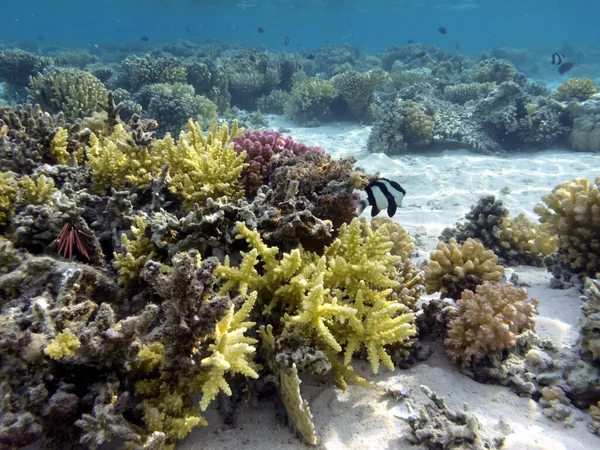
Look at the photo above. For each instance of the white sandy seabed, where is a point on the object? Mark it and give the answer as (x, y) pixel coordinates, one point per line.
(441, 188)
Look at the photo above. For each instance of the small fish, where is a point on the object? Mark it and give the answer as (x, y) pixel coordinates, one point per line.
(188, 31)
(420, 54)
(41, 38)
(311, 56)
(145, 38)
(286, 41)
(557, 58)
(381, 194)
(457, 46)
(443, 30)
(411, 41)
(564, 68)
(260, 30)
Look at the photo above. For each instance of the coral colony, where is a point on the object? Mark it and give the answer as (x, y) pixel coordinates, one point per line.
(160, 252)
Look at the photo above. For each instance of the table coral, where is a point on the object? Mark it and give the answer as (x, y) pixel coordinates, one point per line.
(455, 267)
(488, 321)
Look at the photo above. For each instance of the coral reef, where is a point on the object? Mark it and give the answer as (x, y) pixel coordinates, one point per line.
(488, 321)
(455, 267)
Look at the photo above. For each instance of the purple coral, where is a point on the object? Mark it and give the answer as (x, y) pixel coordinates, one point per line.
(260, 147)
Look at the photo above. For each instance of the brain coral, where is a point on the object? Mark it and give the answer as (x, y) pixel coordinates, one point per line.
(488, 321)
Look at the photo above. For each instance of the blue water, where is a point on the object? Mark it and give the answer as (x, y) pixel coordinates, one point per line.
(543, 25)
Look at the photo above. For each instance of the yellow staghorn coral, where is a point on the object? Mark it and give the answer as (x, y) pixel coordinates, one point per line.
(488, 321)
(380, 322)
(169, 409)
(403, 244)
(572, 212)
(36, 192)
(318, 308)
(58, 147)
(115, 160)
(63, 345)
(456, 267)
(201, 167)
(231, 352)
(137, 252)
(8, 195)
(341, 298)
(520, 233)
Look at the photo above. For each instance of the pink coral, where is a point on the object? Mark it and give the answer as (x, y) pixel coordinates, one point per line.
(260, 147)
(488, 321)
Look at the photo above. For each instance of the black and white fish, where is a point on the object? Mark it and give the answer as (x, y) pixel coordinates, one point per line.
(381, 194)
(557, 58)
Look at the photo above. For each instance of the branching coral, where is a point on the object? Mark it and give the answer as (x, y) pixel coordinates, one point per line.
(203, 167)
(488, 321)
(339, 298)
(572, 211)
(230, 352)
(64, 344)
(117, 161)
(403, 242)
(136, 252)
(455, 267)
(36, 192)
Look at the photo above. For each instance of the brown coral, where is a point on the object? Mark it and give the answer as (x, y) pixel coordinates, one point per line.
(454, 268)
(488, 321)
